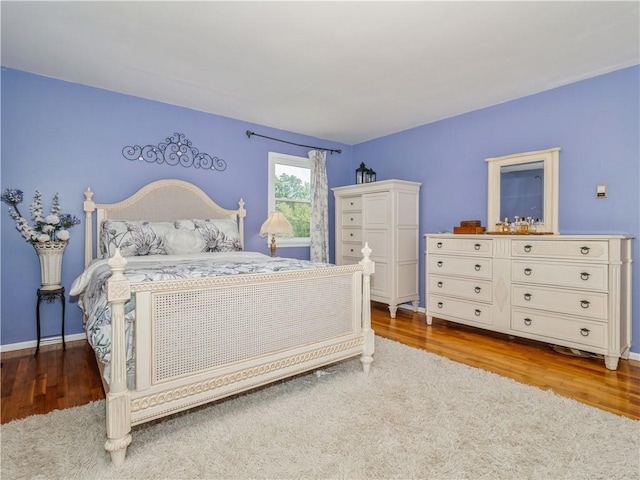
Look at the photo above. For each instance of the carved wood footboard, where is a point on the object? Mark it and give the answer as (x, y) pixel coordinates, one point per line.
(200, 340)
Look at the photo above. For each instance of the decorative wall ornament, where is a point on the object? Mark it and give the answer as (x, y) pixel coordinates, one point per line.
(176, 151)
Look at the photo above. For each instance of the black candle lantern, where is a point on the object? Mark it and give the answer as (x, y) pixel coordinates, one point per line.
(361, 172)
(369, 176)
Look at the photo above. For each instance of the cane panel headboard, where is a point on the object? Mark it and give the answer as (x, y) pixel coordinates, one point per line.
(159, 201)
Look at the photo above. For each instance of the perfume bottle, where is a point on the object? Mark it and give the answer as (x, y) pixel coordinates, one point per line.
(532, 225)
(523, 226)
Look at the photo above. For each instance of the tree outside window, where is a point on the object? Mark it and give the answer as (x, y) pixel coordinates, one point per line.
(290, 193)
(293, 199)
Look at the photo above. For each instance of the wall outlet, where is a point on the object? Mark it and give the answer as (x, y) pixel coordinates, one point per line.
(601, 191)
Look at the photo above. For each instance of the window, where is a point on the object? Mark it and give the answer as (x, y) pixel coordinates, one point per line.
(290, 193)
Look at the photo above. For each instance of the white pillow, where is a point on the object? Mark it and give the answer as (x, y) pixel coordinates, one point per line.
(179, 242)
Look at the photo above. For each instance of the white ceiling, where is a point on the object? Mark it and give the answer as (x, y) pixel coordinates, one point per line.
(341, 71)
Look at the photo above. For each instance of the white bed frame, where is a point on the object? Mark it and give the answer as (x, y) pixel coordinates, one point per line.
(200, 340)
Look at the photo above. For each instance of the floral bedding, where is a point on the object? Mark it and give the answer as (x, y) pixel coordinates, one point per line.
(91, 287)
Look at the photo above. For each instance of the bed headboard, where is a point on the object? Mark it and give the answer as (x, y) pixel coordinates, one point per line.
(160, 201)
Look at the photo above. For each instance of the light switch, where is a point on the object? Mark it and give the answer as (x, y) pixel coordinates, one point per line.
(601, 191)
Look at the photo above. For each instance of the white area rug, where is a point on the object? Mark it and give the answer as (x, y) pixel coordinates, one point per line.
(416, 415)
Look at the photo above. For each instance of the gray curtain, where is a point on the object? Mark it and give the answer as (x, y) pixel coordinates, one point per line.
(319, 207)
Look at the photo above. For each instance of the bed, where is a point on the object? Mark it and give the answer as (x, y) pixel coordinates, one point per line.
(178, 341)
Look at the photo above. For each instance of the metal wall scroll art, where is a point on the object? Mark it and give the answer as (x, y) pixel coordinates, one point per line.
(177, 150)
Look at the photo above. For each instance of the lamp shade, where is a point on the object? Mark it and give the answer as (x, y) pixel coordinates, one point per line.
(276, 224)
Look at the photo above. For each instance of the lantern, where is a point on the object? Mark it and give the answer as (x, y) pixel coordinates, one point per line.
(369, 176)
(361, 173)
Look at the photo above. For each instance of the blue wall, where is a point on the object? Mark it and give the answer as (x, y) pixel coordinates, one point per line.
(63, 137)
(596, 122)
(59, 136)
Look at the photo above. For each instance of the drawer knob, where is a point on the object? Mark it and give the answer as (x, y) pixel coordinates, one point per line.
(350, 203)
(585, 332)
(351, 250)
(477, 289)
(477, 267)
(440, 304)
(439, 244)
(352, 219)
(439, 263)
(527, 321)
(527, 296)
(439, 284)
(351, 234)
(527, 248)
(584, 250)
(527, 271)
(584, 303)
(477, 312)
(477, 246)
(585, 276)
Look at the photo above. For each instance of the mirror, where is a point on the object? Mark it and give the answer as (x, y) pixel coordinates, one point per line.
(524, 184)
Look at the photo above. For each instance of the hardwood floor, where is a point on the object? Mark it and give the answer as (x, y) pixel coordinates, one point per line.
(56, 379)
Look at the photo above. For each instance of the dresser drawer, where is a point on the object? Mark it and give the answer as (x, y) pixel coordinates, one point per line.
(351, 219)
(468, 266)
(459, 245)
(351, 235)
(573, 302)
(350, 203)
(471, 311)
(347, 249)
(588, 276)
(575, 249)
(556, 327)
(466, 288)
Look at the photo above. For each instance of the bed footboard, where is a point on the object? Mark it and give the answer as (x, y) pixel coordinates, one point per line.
(200, 340)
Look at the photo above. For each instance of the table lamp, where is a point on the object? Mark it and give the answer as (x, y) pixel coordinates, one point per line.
(276, 224)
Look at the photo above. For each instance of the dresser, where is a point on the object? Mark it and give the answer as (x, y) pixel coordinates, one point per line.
(568, 290)
(385, 215)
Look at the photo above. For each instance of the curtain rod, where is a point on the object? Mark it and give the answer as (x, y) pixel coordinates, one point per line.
(330, 150)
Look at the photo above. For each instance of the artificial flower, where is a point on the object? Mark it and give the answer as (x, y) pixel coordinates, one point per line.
(54, 226)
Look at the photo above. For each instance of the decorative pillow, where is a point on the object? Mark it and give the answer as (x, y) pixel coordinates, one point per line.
(133, 238)
(179, 242)
(220, 235)
(150, 238)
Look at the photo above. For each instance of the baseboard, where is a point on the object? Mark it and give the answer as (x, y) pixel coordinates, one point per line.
(407, 306)
(43, 342)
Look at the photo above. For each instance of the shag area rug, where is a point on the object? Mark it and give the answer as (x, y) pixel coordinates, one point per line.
(416, 415)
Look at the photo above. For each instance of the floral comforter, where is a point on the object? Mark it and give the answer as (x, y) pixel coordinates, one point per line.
(91, 287)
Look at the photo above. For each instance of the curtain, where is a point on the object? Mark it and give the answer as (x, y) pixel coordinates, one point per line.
(319, 207)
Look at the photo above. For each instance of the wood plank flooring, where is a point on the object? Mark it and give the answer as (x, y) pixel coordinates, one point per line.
(56, 379)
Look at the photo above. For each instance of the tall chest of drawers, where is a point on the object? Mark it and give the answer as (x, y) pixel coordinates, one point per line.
(385, 215)
(569, 290)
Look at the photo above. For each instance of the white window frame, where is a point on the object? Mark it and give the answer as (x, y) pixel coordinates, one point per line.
(283, 159)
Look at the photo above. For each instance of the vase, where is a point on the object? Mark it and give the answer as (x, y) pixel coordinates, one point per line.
(50, 256)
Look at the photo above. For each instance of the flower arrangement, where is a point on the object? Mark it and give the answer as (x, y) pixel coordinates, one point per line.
(53, 227)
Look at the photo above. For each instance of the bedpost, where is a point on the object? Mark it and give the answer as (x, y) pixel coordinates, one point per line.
(89, 207)
(241, 214)
(369, 334)
(118, 402)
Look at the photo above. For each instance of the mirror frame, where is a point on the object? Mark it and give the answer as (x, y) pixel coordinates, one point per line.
(550, 159)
